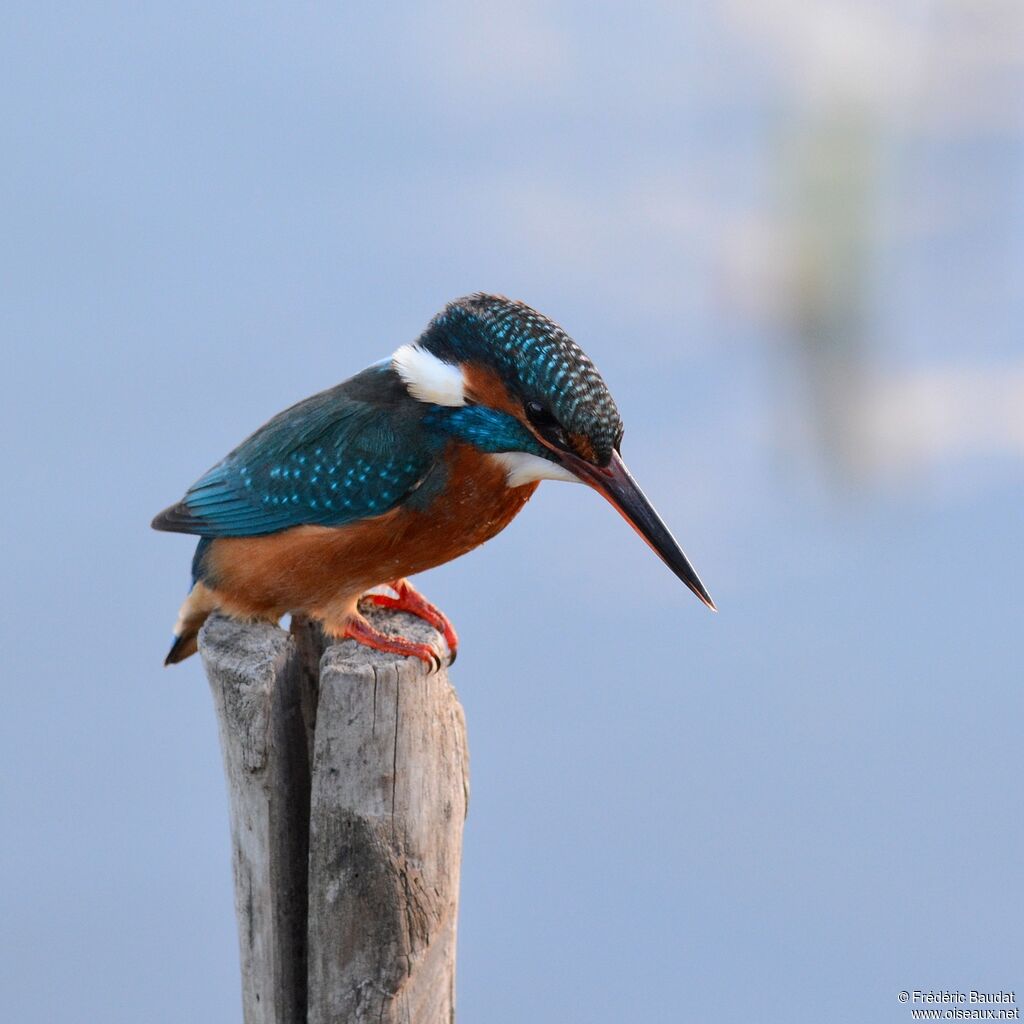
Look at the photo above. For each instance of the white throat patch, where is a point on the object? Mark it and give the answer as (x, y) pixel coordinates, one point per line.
(428, 378)
(525, 468)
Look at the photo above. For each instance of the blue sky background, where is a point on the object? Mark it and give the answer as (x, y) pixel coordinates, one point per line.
(790, 236)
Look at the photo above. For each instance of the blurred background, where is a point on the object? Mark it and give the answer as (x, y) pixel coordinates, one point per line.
(790, 236)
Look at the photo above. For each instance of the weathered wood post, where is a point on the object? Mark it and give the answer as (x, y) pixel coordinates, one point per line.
(348, 780)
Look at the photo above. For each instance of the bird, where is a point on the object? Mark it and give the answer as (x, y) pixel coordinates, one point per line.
(412, 462)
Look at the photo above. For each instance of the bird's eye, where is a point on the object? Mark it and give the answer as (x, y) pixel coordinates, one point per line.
(539, 416)
(545, 423)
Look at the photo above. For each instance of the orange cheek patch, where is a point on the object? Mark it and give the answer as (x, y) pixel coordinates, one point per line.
(485, 387)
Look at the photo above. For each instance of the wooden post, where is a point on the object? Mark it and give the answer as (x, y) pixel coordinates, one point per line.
(347, 775)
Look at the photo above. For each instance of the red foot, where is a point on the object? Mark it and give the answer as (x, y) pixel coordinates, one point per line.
(358, 629)
(412, 601)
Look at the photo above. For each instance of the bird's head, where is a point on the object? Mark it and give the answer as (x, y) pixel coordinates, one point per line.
(512, 382)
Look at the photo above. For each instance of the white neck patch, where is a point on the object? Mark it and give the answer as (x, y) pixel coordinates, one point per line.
(428, 378)
(525, 468)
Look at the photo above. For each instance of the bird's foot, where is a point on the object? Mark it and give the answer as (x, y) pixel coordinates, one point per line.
(410, 600)
(358, 629)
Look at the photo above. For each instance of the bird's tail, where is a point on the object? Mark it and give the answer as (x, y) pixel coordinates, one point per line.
(194, 612)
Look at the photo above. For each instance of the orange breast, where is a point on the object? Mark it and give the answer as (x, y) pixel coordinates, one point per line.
(310, 567)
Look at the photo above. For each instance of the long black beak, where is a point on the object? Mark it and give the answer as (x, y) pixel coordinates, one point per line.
(616, 483)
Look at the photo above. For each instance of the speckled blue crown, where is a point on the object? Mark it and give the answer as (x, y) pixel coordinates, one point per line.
(534, 357)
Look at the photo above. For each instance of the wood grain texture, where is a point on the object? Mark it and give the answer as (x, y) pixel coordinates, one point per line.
(347, 774)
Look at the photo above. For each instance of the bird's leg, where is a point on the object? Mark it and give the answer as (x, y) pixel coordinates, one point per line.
(358, 629)
(410, 600)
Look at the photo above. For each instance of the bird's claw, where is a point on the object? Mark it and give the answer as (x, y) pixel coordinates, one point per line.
(410, 600)
(358, 629)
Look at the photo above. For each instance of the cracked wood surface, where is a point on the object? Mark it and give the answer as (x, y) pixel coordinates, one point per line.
(348, 777)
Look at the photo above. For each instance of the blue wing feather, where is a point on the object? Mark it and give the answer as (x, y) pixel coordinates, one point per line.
(352, 452)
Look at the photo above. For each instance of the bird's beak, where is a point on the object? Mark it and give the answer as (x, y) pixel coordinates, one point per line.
(616, 483)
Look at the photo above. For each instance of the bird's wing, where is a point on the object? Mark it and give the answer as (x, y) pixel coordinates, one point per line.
(348, 453)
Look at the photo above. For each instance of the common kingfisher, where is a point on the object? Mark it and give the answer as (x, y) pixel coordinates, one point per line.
(414, 461)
